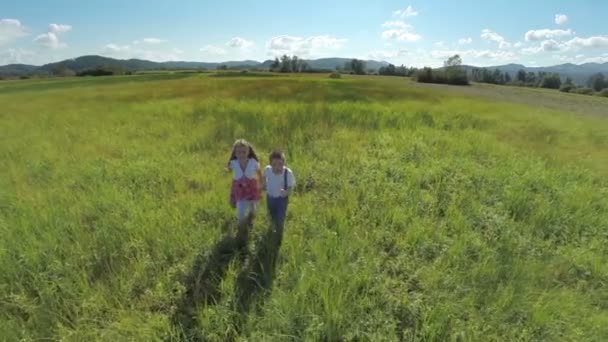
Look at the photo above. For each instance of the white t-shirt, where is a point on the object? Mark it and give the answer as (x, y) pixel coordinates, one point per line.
(274, 182)
(250, 171)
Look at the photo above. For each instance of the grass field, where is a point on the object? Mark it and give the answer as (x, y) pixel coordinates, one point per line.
(421, 213)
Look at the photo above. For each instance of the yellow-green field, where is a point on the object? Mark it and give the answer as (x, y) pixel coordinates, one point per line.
(421, 213)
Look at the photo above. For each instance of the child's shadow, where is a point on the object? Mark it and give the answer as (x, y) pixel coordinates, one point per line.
(202, 282)
(256, 279)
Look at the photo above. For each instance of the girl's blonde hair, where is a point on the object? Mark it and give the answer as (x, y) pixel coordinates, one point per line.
(243, 142)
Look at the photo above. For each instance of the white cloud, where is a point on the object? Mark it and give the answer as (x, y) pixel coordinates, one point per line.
(517, 45)
(407, 12)
(397, 23)
(492, 36)
(551, 45)
(19, 56)
(153, 40)
(598, 59)
(150, 41)
(401, 34)
(463, 41)
(561, 58)
(531, 50)
(238, 42)
(213, 50)
(440, 44)
(117, 48)
(387, 54)
(10, 30)
(51, 39)
(478, 54)
(59, 28)
(591, 42)
(561, 19)
(504, 45)
(544, 34)
(304, 47)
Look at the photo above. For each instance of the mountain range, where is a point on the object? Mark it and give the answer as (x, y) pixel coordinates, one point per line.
(579, 73)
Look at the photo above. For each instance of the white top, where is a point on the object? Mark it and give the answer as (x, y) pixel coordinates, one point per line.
(250, 171)
(274, 182)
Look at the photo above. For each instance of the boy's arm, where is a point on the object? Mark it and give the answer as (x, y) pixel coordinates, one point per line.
(291, 183)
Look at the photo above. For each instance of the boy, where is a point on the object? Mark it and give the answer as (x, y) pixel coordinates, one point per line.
(279, 181)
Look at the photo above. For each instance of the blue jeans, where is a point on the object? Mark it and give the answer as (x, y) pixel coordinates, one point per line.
(277, 207)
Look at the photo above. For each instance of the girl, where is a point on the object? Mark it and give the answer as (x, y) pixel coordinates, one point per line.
(279, 181)
(246, 191)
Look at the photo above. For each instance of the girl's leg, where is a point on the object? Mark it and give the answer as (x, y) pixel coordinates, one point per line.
(253, 207)
(242, 210)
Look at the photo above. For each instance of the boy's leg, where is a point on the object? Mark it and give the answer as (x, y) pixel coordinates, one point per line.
(279, 218)
(272, 204)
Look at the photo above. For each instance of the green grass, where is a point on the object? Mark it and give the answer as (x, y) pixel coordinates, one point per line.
(419, 215)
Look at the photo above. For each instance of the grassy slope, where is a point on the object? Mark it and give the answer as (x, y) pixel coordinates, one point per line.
(418, 215)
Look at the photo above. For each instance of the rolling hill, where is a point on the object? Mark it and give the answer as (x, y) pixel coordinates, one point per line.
(579, 73)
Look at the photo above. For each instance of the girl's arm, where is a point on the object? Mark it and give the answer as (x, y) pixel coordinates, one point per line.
(261, 178)
(228, 168)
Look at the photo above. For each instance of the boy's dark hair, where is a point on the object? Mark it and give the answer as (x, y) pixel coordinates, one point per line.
(277, 154)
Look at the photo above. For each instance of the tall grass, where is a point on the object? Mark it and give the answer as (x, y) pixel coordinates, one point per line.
(417, 216)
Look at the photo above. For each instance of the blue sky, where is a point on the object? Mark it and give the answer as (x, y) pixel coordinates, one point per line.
(415, 32)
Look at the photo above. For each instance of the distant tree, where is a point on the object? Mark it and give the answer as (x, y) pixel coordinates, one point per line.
(597, 82)
(531, 79)
(275, 64)
(453, 61)
(551, 81)
(100, 70)
(285, 63)
(401, 71)
(454, 74)
(567, 86)
(62, 70)
(295, 65)
(388, 70)
(304, 67)
(507, 78)
(425, 75)
(222, 67)
(497, 77)
(357, 66)
(522, 76)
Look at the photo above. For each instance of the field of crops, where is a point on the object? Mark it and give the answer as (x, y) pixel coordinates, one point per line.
(420, 214)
